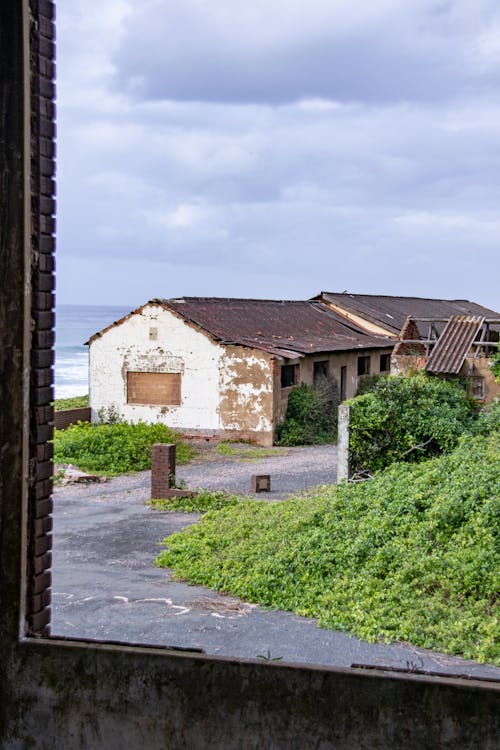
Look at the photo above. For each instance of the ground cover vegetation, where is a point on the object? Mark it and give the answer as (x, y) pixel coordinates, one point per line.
(116, 448)
(312, 414)
(246, 452)
(202, 502)
(407, 419)
(411, 555)
(74, 402)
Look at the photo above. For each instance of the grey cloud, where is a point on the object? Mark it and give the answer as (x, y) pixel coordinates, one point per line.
(413, 51)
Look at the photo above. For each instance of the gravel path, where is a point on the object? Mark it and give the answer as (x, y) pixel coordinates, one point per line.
(106, 588)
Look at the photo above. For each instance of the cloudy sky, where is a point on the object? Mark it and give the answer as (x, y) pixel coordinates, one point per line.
(278, 148)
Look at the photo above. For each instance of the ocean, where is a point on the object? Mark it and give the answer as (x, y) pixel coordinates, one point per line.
(74, 325)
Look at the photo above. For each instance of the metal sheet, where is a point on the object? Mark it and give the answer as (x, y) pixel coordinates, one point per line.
(454, 344)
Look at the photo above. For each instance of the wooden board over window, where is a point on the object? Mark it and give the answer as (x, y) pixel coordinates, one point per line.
(161, 388)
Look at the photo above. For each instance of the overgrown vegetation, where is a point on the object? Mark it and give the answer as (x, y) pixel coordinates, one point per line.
(246, 451)
(204, 501)
(495, 365)
(407, 419)
(412, 555)
(111, 449)
(312, 414)
(74, 402)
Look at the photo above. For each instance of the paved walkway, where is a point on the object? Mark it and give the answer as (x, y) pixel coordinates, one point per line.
(106, 588)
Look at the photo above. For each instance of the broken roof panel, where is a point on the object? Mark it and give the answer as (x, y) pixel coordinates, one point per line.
(288, 328)
(454, 344)
(391, 312)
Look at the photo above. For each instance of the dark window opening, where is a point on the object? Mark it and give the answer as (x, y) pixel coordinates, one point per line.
(320, 370)
(385, 362)
(364, 365)
(343, 383)
(289, 375)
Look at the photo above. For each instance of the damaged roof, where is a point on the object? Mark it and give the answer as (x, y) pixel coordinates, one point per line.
(454, 344)
(287, 328)
(391, 312)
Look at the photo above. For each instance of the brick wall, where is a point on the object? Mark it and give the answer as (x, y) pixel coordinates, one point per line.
(42, 352)
(65, 417)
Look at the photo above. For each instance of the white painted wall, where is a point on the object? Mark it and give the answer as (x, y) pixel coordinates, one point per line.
(178, 348)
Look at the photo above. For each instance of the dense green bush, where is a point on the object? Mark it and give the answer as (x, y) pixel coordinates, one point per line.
(311, 415)
(495, 365)
(412, 555)
(114, 448)
(407, 418)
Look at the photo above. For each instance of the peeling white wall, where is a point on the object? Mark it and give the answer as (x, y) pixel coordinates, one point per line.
(178, 347)
(222, 388)
(246, 390)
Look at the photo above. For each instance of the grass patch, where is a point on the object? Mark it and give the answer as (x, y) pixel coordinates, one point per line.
(75, 402)
(112, 449)
(412, 555)
(203, 502)
(235, 450)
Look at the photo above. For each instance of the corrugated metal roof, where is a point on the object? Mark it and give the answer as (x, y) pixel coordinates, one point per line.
(391, 312)
(453, 345)
(287, 328)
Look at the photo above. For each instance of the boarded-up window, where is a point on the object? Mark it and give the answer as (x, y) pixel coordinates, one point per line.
(162, 388)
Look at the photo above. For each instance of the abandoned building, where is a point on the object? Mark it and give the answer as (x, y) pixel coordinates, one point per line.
(225, 367)
(446, 338)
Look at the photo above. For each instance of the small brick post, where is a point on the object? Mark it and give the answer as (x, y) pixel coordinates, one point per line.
(162, 469)
(260, 483)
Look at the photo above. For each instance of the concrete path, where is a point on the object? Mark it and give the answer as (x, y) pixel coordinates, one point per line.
(106, 588)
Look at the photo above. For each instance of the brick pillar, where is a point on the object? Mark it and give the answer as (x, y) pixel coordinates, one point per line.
(162, 469)
(42, 170)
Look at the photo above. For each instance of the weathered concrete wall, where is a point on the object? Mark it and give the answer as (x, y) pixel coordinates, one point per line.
(246, 393)
(336, 360)
(106, 698)
(85, 696)
(480, 367)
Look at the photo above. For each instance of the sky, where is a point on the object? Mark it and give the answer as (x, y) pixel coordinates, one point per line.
(278, 148)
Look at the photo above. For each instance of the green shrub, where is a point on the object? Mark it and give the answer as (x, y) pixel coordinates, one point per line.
(407, 418)
(495, 365)
(114, 448)
(412, 555)
(311, 415)
(488, 419)
(75, 402)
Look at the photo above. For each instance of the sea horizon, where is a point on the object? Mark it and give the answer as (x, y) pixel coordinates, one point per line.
(75, 324)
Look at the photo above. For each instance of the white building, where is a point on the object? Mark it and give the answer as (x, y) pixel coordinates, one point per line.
(224, 367)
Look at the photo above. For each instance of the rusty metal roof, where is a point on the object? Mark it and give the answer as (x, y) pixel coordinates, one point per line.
(454, 344)
(391, 312)
(287, 328)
